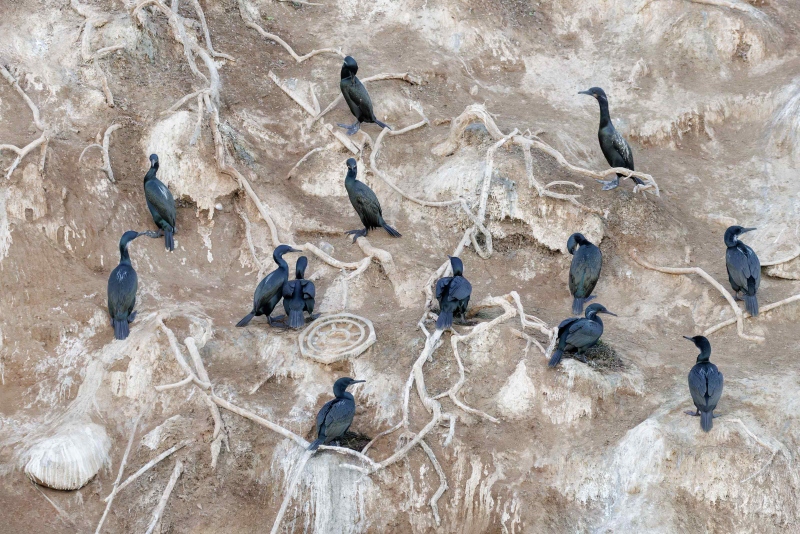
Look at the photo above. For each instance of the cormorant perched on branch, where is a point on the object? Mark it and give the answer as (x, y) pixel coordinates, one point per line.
(357, 97)
(365, 203)
(298, 296)
(269, 290)
(584, 270)
(705, 384)
(744, 269)
(615, 148)
(336, 416)
(122, 286)
(579, 334)
(160, 203)
(453, 294)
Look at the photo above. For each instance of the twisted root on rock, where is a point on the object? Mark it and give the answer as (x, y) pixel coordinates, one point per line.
(104, 147)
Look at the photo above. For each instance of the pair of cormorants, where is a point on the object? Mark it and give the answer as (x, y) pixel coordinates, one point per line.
(298, 294)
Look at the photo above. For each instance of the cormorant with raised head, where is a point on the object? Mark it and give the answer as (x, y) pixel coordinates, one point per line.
(357, 97)
(298, 296)
(453, 294)
(579, 334)
(269, 291)
(584, 270)
(336, 416)
(122, 286)
(365, 203)
(615, 148)
(744, 268)
(160, 203)
(705, 384)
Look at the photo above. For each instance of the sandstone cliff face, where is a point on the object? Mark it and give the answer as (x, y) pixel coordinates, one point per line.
(706, 92)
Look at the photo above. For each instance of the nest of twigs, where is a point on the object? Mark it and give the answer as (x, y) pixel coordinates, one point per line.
(604, 357)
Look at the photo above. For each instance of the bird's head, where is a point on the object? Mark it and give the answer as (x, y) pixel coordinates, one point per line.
(154, 161)
(281, 250)
(594, 309)
(702, 343)
(596, 92)
(341, 385)
(127, 237)
(575, 240)
(349, 67)
(300, 267)
(458, 266)
(732, 234)
(352, 164)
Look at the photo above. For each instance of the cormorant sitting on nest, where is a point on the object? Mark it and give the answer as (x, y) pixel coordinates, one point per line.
(336, 416)
(579, 334)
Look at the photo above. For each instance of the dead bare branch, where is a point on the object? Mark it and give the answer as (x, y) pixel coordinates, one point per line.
(35, 110)
(149, 465)
(162, 503)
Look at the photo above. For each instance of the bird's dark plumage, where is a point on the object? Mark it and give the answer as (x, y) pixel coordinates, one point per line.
(705, 384)
(269, 290)
(365, 203)
(160, 203)
(336, 415)
(584, 270)
(122, 286)
(453, 294)
(744, 268)
(357, 97)
(579, 334)
(298, 296)
(615, 148)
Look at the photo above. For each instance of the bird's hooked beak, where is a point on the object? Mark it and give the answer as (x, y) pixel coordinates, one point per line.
(587, 93)
(294, 250)
(609, 313)
(690, 339)
(357, 382)
(747, 230)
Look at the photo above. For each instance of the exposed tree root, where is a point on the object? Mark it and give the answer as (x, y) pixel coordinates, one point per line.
(162, 503)
(284, 44)
(310, 153)
(442, 481)
(119, 475)
(202, 17)
(95, 20)
(22, 152)
(104, 147)
(697, 270)
(298, 472)
(149, 465)
(745, 315)
(13, 82)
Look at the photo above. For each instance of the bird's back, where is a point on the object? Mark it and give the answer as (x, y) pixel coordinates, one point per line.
(160, 201)
(339, 418)
(743, 264)
(122, 285)
(459, 289)
(270, 287)
(584, 333)
(705, 385)
(615, 148)
(365, 202)
(585, 270)
(357, 98)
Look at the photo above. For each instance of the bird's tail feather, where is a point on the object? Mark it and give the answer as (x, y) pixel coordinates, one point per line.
(246, 320)
(706, 420)
(445, 320)
(315, 444)
(382, 125)
(121, 329)
(296, 319)
(392, 232)
(556, 358)
(751, 304)
(169, 241)
(577, 305)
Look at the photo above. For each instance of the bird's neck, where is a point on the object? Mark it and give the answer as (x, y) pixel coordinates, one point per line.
(731, 242)
(605, 117)
(151, 174)
(596, 318)
(346, 395)
(280, 261)
(124, 257)
(705, 353)
(351, 176)
(346, 73)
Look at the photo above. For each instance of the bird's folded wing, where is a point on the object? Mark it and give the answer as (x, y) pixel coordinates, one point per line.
(460, 289)
(338, 418)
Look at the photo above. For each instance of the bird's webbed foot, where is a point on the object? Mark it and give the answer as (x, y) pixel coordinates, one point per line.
(693, 414)
(581, 357)
(153, 233)
(357, 233)
(610, 184)
(714, 416)
(637, 180)
(351, 128)
(737, 297)
(131, 317)
(278, 322)
(313, 317)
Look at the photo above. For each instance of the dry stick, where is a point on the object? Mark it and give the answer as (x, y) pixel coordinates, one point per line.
(442, 481)
(298, 471)
(405, 76)
(149, 465)
(176, 350)
(202, 17)
(119, 474)
(175, 385)
(220, 436)
(273, 37)
(106, 90)
(103, 52)
(380, 435)
(249, 235)
(162, 503)
(745, 314)
(308, 155)
(22, 152)
(182, 101)
(35, 110)
(717, 285)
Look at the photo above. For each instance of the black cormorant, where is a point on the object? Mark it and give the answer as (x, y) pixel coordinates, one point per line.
(122, 286)
(365, 203)
(705, 384)
(744, 269)
(336, 416)
(584, 270)
(298, 296)
(453, 294)
(160, 203)
(357, 97)
(615, 148)
(269, 290)
(579, 334)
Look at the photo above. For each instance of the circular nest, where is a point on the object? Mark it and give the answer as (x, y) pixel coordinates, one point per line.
(604, 358)
(336, 337)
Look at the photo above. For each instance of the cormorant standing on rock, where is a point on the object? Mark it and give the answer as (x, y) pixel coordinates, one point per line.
(336, 416)
(615, 148)
(453, 294)
(579, 334)
(269, 290)
(705, 384)
(160, 203)
(365, 203)
(357, 97)
(298, 296)
(122, 286)
(584, 270)
(744, 269)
